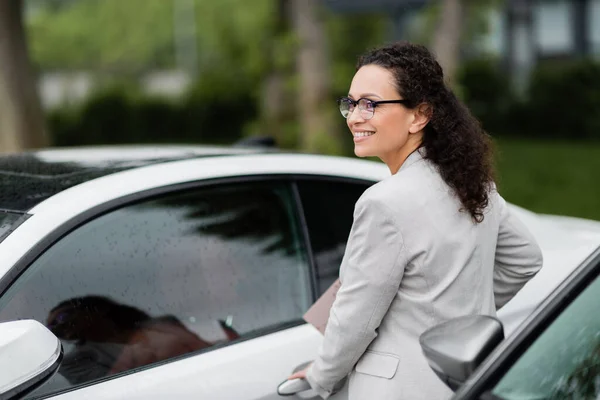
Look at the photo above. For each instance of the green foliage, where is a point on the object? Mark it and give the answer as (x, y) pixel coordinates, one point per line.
(232, 35)
(218, 111)
(138, 35)
(476, 21)
(564, 99)
(553, 177)
(486, 89)
(117, 116)
(350, 36)
(102, 119)
(238, 42)
(561, 100)
(115, 35)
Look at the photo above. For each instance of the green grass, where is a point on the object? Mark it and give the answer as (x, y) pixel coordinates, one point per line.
(550, 177)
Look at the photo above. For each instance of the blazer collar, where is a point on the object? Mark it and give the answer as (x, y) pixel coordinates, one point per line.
(412, 158)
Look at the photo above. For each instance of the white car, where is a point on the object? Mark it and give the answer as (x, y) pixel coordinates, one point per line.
(184, 272)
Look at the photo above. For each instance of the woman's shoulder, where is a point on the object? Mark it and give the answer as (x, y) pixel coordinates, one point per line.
(380, 191)
(407, 192)
(391, 194)
(418, 178)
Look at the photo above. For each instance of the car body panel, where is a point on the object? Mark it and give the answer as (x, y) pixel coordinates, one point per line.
(254, 369)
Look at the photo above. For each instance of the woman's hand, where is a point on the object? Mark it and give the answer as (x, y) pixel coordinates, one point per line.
(300, 374)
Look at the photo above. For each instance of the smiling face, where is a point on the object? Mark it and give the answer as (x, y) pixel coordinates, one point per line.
(394, 131)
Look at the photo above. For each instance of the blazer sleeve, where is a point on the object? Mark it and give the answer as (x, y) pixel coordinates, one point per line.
(370, 276)
(518, 256)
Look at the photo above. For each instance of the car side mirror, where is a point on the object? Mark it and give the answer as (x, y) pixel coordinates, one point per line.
(455, 348)
(29, 355)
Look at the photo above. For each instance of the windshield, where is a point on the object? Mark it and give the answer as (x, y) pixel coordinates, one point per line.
(564, 362)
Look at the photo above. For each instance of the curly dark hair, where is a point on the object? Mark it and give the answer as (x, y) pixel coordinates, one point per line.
(453, 139)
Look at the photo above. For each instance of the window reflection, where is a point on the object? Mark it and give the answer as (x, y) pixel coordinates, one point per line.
(165, 277)
(107, 337)
(564, 362)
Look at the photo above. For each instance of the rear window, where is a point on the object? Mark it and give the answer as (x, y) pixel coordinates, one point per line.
(9, 221)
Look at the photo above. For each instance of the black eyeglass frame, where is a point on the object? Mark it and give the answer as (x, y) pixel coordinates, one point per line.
(373, 103)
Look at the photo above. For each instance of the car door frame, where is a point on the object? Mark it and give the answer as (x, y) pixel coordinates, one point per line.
(94, 212)
(499, 362)
(321, 178)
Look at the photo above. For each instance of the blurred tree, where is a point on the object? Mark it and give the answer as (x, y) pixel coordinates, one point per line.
(260, 54)
(447, 37)
(108, 35)
(451, 26)
(478, 24)
(185, 36)
(139, 35)
(317, 128)
(275, 97)
(49, 4)
(21, 119)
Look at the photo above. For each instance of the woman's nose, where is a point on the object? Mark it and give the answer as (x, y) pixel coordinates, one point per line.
(354, 117)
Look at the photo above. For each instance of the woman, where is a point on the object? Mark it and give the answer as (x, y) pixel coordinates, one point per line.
(432, 242)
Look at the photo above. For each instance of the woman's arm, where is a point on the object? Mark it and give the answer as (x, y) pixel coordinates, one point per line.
(371, 272)
(518, 256)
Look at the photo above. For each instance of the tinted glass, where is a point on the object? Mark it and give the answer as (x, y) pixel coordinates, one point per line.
(27, 179)
(564, 362)
(9, 222)
(329, 210)
(166, 277)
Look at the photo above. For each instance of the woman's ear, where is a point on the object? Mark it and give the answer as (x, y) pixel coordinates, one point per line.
(423, 113)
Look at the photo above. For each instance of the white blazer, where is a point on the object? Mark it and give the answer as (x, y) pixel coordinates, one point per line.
(413, 260)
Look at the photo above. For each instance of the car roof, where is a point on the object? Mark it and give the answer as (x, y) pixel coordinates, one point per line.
(84, 200)
(28, 178)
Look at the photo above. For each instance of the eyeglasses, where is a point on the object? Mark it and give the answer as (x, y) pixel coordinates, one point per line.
(365, 106)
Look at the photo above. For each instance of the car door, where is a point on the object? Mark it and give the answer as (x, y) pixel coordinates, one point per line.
(198, 293)
(556, 355)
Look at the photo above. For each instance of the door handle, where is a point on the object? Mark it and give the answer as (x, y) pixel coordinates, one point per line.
(292, 386)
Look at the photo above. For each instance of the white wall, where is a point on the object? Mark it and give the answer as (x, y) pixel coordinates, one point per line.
(553, 26)
(594, 27)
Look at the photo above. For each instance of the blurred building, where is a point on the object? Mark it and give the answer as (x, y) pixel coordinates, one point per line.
(522, 32)
(59, 88)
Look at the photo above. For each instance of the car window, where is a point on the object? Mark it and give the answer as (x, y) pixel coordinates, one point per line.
(166, 277)
(564, 361)
(329, 208)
